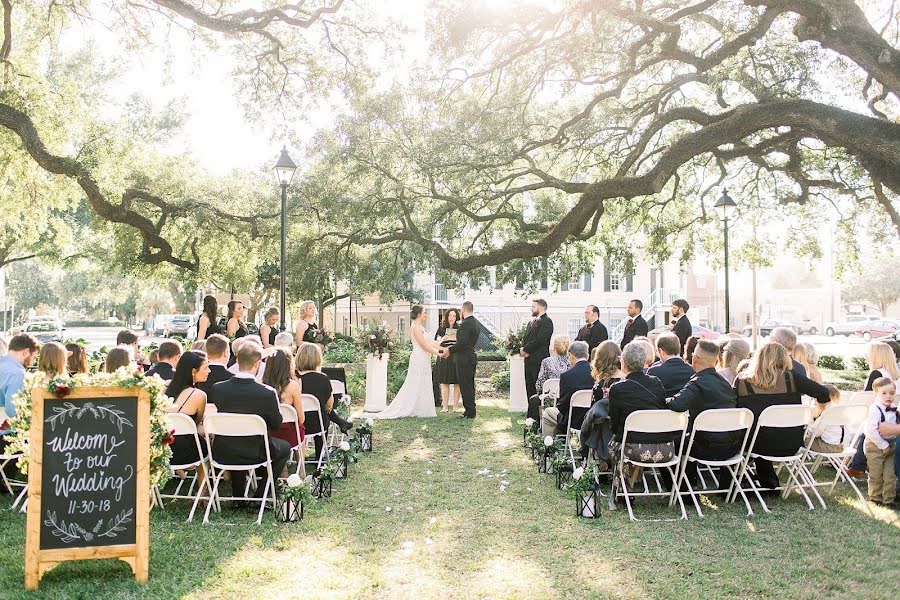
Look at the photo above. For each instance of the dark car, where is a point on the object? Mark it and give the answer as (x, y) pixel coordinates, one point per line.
(766, 326)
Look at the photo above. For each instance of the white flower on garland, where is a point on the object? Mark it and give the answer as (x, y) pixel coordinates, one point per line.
(345, 446)
(548, 441)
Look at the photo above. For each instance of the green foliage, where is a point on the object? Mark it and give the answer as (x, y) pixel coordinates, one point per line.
(356, 385)
(859, 363)
(500, 381)
(343, 351)
(490, 355)
(831, 361)
(398, 366)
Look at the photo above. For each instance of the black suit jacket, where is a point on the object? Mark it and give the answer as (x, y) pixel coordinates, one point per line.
(575, 379)
(217, 374)
(245, 396)
(638, 328)
(674, 374)
(683, 330)
(705, 390)
(537, 339)
(594, 335)
(638, 391)
(164, 370)
(467, 334)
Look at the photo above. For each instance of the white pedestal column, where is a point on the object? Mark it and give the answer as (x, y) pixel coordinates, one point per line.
(376, 382)
(518, 397)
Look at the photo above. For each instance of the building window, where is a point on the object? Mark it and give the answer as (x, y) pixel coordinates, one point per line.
(615, 282)
(440, 293)
(575, 283)
(401, 326)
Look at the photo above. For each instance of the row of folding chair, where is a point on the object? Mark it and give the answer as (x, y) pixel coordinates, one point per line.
(739, 466)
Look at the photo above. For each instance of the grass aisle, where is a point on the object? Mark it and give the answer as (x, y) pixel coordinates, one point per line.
(456, 531)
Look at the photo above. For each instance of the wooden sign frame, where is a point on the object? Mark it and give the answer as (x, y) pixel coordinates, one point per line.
(137, 555)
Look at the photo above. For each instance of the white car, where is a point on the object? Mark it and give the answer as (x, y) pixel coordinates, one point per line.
(46, 331)
(847, 325)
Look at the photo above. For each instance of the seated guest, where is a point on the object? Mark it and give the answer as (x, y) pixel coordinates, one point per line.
(118, 357)
(551, 368)
(895, 346)
(671, 369)
(768, 381)
(578, 377)
(807, 357)
(705, 390)
(606, 368)
(22, 350)
(308, 363)
(199, 346)
(217, 354)
(689, 349)
(638, 391)
(77, 361)
(243, 394)
(285, 339)
(606, 362)
(52, 360)
(733, 352)
(168, 354)
(128, 340)
(651, 352)
(236, 344)
(188, 399)
(787, 337)
(828, 439)
(279, 375)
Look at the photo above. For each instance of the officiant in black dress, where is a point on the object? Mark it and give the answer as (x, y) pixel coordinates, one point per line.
(445, 368)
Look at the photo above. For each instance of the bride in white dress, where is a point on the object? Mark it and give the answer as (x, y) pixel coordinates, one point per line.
(416, 397)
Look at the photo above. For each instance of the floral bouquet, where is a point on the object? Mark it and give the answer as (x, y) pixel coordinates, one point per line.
(513, 340)
(293, 494)
(378, 339)
(323, 338)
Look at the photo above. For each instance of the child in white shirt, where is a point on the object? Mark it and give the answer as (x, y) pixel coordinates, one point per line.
(879, 449)
(830, 439)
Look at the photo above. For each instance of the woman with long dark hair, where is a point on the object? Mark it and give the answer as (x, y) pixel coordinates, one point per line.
(234, 325)
(445, 368)
(279, 374)
(207, 323)
(188, 399)
(77, 361)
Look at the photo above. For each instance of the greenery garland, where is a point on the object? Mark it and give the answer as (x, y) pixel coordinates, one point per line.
(161, 436)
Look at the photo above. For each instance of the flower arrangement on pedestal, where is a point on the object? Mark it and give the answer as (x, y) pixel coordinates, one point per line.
(128, 377)
(378, 339)
(512, 343)
(293, 495)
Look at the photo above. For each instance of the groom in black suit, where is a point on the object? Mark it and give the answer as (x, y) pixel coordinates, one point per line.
(467, 334)
(636, 326)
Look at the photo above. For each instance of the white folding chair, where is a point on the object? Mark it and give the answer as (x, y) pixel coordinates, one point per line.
(651, 421)
(289, 415)
(864, 398)
(550, 388)
(222, 425)
(184, 425)
(850, 418)
(779, 416)
(338, 387)
(718, 420)
(6, 459)
(580, 399)
(311, 404)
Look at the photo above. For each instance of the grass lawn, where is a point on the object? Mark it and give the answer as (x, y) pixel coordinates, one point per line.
(454, 533)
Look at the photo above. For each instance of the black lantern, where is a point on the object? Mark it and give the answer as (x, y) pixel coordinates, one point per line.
(364, 436)
(546, 464)
(289, 510)
(321, 487)
(563, 475)
(342, 469)
(587, 505)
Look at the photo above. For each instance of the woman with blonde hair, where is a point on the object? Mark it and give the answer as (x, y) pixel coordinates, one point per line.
(52, 360)
(770, 380)
(306, 325)
(269, 329)
(882, 363)
(733, 352)
(313, 382)
(806, 355)
(551, 368)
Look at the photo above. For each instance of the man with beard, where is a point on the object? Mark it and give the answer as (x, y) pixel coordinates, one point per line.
(536, 344)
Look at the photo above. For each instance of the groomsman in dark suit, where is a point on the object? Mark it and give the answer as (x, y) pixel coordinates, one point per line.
(682, 327)
(594, 331)
(536, 344)
(636, 326)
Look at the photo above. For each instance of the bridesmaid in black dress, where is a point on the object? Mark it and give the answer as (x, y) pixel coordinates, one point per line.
(208, 322)
(235, 326)
(306, 326)
(445, 368)
(269, 329)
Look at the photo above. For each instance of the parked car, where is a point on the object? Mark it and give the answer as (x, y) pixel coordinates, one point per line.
(806, 326)
(876, 329)
(160, 323)
(767, 325)
(46, 331)
(703, 332)
(181, 326)
(895, 337)
(55, 321)
(847, 325)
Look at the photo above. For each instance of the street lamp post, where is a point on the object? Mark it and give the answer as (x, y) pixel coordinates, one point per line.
(284, 171)
(726, 206)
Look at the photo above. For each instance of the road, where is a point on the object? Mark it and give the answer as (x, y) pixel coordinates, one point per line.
(104, 336)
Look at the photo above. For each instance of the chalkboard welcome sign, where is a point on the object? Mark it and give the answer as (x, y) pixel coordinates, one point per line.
(88, 479)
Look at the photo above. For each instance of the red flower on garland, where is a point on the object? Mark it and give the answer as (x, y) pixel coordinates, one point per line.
(62, 391)
(169, 439)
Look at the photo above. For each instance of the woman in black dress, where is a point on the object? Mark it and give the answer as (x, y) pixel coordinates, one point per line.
(207, 323)
(235, 326)
(269, 329)
(192, 369)
(445, 368)
(306, 325)
(308, 363)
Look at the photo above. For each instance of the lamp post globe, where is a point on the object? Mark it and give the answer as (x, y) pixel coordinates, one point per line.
(284, 172)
